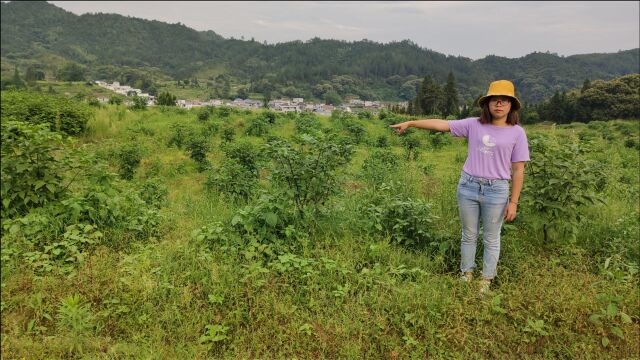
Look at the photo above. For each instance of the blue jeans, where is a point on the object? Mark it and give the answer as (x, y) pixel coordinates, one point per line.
(484, 199)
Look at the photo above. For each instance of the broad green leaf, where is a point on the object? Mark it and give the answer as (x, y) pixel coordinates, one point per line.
(617, 332)
(625, 318)
(271, 218)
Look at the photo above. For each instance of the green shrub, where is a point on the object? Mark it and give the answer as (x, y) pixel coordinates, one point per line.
(308, 124)
(116, 100)
(379, 166)
(225, 111)
(405, 220)
(138, 103)
(234, 179)
(439, 139)
(198, 147)
(204, 113)
(228, 134)
(257, 127)
(411, 144)
(34, 161)
(246, 154)
(180, 133)
(268, 218)
(129, 157)
(153, 193)
(58, 112)
(382, 141)
(308, 174)
(561, 181)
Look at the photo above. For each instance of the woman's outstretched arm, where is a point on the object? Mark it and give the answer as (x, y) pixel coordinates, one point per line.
(430, 124)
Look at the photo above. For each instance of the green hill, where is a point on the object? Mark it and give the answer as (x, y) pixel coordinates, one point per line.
(42, 35)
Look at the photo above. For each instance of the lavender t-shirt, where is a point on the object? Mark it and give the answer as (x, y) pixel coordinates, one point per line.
(492, 149)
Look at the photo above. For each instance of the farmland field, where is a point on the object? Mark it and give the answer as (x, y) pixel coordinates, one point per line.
(218, 233)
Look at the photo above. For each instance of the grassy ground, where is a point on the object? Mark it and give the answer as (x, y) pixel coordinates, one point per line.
(343, 293)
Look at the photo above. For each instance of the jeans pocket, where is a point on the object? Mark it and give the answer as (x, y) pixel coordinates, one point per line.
(500, 188)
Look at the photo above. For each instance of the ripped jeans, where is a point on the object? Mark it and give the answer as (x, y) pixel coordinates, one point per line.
(480, 198)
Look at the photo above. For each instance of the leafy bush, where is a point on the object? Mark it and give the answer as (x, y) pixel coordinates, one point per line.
(308, 174)
(411, 144)
(58, 112)
(228, 134)
(246, 154)
(233, 178)
(378, 166)
(34, 161)
(406, 221)
(129, 157)
(204, 113)
(308, 124)
(257, 127)
(180, 135)
(139, 103)
(225, 111)
(210, 128)
(561, 181)
(438, 139)
(211, 234)
(153, 193)
(198, 147)
(270, 116)
(268, 218)
(382, 141)
(116, 100)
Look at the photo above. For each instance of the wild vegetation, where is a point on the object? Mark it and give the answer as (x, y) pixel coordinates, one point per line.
(218, 233)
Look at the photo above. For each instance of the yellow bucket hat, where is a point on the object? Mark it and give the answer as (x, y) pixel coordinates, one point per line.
(501, 88)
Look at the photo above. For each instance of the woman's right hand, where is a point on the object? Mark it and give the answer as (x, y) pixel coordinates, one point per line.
(401, 127)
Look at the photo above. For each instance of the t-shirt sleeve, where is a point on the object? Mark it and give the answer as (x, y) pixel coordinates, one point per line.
(521, 149)
(460, 128)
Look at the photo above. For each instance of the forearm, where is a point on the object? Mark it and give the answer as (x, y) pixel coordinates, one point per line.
(430, 124)
(517, 180)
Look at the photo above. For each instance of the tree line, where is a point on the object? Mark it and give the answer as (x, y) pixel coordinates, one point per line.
(101, 45)
(595, 100)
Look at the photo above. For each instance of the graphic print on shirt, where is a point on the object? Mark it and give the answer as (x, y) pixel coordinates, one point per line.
(488, 142)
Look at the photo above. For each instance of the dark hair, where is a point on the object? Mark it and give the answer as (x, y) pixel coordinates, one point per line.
(513, 118)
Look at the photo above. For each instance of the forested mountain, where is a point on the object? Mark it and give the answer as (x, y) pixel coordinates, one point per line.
(43, 36)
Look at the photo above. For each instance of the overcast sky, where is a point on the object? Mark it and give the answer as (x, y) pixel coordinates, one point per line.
(470, 29)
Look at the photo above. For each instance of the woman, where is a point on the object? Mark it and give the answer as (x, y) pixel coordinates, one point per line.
(496, 154)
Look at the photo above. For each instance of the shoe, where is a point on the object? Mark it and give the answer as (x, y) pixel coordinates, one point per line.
(467, 277)
(485, 284)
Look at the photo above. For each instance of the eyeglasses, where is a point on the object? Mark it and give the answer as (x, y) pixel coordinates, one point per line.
(501, 100)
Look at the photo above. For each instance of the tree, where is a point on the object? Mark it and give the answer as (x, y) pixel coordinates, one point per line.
(165, 98)
(16, 80)
(332, 98)
(450, 97)
(116, 99)
(243, 92)
(430, 96)
(139, 103)
(407, 91)
(585, 86)
(31, 76)
(71, 72)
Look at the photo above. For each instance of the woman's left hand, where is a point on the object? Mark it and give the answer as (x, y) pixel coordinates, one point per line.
(510, 211)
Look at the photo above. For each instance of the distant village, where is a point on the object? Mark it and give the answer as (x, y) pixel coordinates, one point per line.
(280, 105)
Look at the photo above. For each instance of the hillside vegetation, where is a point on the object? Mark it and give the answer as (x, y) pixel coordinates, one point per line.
(148, 54)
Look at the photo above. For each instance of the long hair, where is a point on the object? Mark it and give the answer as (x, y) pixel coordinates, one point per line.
(513, 118)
